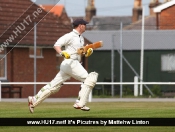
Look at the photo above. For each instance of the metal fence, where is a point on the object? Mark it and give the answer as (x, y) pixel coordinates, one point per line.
(135, 83)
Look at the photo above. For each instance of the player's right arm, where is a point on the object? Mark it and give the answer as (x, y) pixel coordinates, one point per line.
(58, 49)
(62, 41)
(62, 53)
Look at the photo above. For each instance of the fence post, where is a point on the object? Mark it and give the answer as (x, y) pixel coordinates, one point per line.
(135, 86)
(0, 91)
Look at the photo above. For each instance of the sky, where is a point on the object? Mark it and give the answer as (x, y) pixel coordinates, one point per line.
(103, 7)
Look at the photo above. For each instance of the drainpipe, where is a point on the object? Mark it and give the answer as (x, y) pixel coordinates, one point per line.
(157, 21)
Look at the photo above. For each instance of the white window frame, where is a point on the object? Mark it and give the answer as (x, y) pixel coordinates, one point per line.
(5, 67)
(37, 56)
(168, 62)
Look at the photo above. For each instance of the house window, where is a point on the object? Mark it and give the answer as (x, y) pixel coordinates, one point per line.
(39, 52)
(3, 66)
(168, 62)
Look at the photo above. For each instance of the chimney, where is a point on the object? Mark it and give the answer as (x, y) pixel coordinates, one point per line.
(153, 3)
(90, 10)
(166, 1)
(137, 10)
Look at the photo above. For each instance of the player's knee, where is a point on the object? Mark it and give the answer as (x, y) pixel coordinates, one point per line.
(91, 79)
(83, 77)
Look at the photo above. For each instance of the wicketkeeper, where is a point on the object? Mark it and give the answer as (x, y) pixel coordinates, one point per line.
(70, 67)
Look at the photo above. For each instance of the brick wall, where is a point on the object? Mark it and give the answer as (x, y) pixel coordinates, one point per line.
(20, 69)
(167, 18)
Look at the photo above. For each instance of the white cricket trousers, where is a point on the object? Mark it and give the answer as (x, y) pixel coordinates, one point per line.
(69, 68)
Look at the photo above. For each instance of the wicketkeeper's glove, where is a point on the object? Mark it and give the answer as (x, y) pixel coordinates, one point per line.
(89, 52)
(65, 54)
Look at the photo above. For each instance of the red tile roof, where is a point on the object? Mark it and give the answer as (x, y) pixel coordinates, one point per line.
(17, 19)
(59, 11)
(56, 9)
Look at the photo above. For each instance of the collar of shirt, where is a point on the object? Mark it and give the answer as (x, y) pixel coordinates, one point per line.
(76, 32)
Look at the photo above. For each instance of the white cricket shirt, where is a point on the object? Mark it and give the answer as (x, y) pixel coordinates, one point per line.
(72, 41)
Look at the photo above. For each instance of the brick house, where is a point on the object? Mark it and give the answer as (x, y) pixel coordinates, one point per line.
(165, 15)
(17, 18)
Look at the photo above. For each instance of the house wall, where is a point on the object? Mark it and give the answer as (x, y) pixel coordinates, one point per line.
(21, 66)
(167, 18)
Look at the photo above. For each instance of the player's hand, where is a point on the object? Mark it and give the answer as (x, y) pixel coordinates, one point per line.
(80, 51)
(89, 52)
(65, 54)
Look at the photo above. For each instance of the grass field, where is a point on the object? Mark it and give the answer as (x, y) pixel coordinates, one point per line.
(102, 110)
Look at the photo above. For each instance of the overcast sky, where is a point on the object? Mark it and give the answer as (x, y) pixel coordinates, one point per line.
(103, 7)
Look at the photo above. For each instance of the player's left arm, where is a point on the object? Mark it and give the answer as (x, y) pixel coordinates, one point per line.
(88, 52)
(88, 49)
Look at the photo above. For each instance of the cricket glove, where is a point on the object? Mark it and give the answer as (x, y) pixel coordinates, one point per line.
(89, 52)
(65, 54)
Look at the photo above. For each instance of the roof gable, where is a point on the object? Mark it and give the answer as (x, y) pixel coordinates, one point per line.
(164, 6)
(17, 18)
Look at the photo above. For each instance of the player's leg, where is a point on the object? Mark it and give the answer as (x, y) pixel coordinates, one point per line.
(51, 88)
(84, 108)
(78, 72)
(74, 69)
(86, 88)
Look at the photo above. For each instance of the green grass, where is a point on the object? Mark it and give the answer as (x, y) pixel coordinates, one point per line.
(103, 110)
